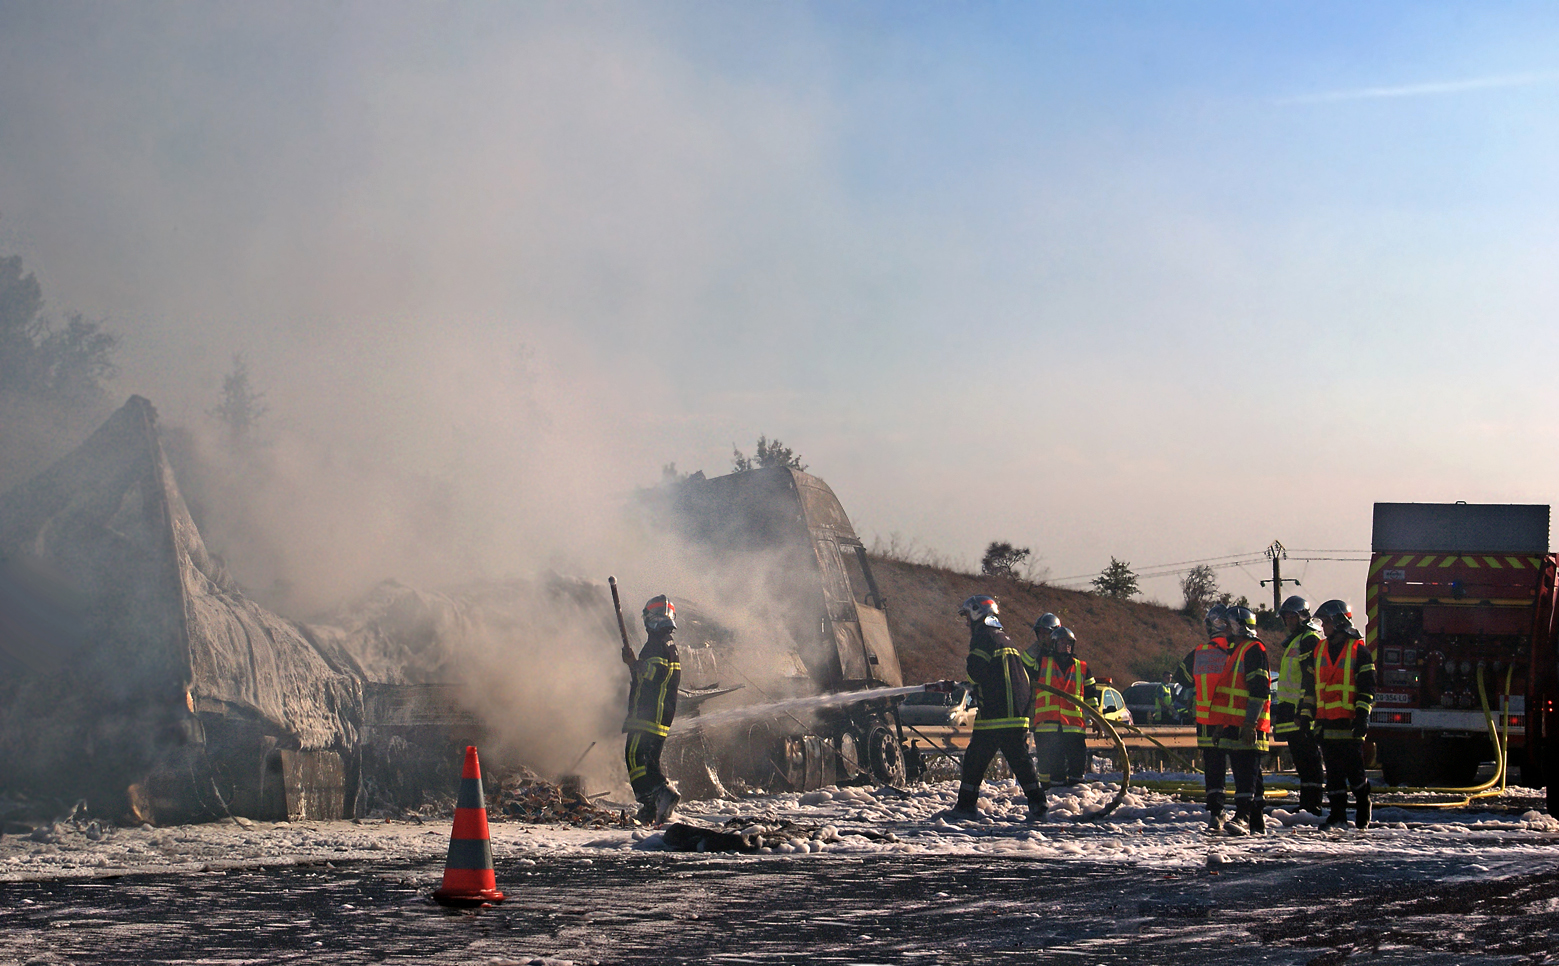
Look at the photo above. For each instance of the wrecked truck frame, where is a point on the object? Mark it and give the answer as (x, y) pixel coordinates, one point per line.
(789, 526)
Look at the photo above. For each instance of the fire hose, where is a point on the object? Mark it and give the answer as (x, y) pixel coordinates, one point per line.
(1501, 744)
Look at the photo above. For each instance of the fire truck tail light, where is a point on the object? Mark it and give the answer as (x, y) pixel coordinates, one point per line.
(1391, 717)
(1518, 720)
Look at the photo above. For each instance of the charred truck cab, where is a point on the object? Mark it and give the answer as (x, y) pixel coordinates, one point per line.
(1460, 602)
(785, 534)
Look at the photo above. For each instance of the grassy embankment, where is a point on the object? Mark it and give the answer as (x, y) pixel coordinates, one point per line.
(1122, 640)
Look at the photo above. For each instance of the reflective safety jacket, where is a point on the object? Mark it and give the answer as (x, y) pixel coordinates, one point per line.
(1290, 680)
(1052, 713)
(1164, 704)
(1200, 672)
(1000, 677)
(1245, 681)
(1339, 682)
(652, 701)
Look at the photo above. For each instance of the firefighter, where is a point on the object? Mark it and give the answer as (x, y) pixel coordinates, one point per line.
(1060, 728)
(1339, 690)
(1164, 700)
(652, 704)
(1200, 674)
(1242, 710)
(1047, 622)
(1000, 679)
(1302, 744)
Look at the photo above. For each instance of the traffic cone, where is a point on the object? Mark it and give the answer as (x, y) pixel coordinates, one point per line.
(468, 873)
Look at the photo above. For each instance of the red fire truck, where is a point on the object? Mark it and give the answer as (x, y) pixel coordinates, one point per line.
(1461, 604)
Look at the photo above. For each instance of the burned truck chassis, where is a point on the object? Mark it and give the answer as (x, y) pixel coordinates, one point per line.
(857, 744)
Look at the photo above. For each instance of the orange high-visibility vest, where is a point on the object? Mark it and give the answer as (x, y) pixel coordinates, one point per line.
(1336, 689)
(1231, 695)
(1209, 666)
(1051, 711)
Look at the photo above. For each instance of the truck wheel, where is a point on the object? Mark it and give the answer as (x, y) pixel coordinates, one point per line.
(884, 756)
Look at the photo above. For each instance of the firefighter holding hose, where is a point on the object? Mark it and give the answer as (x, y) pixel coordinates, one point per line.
(1060, 730)
(999, 673)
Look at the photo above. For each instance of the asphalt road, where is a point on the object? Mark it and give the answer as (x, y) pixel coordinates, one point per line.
(905, 908)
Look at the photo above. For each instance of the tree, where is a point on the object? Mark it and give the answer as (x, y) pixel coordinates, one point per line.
(770, 453)
(241, 406)
(1001, 559)
(63, 369)
(1200, 587)
(1117, 581)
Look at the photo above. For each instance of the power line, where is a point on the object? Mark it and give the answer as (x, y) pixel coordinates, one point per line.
(1217, 563)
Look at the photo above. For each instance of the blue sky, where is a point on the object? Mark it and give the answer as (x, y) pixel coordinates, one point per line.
(1159, 281)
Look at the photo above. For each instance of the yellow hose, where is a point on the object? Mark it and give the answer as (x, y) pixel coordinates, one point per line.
(1501, 753)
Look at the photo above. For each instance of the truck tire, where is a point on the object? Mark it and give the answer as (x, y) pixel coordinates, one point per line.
(884, 755)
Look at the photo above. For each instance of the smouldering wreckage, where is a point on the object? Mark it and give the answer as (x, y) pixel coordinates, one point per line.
(139, 677)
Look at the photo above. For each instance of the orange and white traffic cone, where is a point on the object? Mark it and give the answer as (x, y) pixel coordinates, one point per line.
(468, 873)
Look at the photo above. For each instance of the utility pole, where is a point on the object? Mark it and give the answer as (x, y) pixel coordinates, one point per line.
(1278, 554)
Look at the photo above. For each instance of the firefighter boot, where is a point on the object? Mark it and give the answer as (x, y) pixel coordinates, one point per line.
(665, 802)
(1037, 805)
(1238, 825)
(968, 806)
(1361, 801)
(1258, 819)
(1310, 799)
(1215, 821)
(1338, 817)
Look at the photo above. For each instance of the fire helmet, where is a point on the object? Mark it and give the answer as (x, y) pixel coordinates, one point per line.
(1242, 622)
(1217, 620)
(1296, 605)
(1047, 622)
(660, 614)
(1336, 611)
(1063, 641)
(980, 608)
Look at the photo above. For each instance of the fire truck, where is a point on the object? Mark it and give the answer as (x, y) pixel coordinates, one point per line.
(1460, 605)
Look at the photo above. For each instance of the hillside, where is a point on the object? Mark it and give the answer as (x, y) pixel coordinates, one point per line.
(1118, 639)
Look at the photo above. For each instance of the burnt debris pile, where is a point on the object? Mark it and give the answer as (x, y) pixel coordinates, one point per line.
(524, 798)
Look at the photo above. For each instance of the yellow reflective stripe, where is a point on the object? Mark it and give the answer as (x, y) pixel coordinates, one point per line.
(1447, 562)
(1380, 561)
(1426, 562)
(1515, 563)
(1493, 562)
(1404, 561)
(649, 727)
(1471, 562)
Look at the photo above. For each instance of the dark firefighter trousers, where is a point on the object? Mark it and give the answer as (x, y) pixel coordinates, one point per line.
(1345, 772)
(1060, 756)
(642, 755)
(1305, 748)
(1013, 743)
(1248, 790)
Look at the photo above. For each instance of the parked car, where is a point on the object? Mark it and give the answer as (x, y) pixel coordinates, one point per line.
(1112, 705)
(1142, 699)
(947, 708)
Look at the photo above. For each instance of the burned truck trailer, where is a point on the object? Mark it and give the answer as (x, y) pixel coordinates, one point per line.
(784, 536)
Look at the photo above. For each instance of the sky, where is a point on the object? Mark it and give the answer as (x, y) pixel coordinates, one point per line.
(1155, 281)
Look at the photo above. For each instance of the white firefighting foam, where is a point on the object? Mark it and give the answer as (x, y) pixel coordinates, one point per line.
(1150, 830)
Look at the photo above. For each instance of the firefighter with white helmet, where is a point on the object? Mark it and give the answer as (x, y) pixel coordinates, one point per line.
(1303, 746)
(1339, 691)
(1000, 678)
(652, 704)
